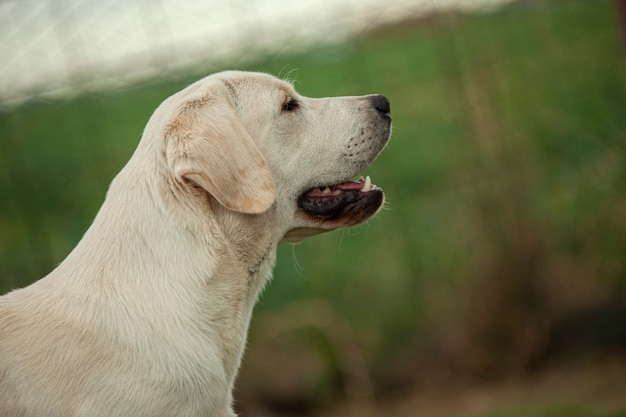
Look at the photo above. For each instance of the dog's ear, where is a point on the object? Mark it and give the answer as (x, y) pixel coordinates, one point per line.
(210, 147)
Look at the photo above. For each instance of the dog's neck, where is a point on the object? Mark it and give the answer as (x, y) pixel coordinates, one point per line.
(148, 222)
(249, 239)
(203, 270)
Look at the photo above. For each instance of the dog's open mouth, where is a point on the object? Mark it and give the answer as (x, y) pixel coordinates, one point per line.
(358, 199)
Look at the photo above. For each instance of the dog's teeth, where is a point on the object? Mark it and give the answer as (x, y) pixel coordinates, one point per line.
(327, 190)
(367, 185)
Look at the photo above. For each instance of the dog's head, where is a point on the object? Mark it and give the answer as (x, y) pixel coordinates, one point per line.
(257, 147)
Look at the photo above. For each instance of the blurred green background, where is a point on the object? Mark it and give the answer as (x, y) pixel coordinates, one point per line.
(494, 282)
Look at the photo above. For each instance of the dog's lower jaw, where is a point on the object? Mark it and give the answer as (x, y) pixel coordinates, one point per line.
(313, 226)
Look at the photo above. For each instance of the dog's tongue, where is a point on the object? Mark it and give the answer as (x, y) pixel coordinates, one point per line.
(350, 185)
(362, 185)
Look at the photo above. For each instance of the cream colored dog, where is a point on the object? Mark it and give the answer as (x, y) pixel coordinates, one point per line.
(148, 315)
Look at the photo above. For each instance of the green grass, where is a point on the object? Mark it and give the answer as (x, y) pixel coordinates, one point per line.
(506, 171)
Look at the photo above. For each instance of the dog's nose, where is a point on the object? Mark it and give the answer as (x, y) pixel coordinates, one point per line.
(381, 103)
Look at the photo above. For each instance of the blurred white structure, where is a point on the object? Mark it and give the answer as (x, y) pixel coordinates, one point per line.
(59, 47)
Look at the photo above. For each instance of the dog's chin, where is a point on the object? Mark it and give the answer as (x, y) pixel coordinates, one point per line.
(334, 206)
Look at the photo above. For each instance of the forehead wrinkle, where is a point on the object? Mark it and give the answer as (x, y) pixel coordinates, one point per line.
(282, 89)
(289, 82)
(286, 89)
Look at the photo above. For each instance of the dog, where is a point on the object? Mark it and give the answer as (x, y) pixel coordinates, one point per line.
(148, 315)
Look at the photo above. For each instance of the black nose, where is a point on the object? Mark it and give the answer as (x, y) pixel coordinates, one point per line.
(381, 103)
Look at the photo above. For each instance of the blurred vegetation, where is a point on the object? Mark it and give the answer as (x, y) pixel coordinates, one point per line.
(503, 242)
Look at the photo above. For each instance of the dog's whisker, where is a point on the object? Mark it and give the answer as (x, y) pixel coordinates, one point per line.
(299, 268)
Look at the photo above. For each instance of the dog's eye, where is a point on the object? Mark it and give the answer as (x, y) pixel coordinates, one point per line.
(291, 105)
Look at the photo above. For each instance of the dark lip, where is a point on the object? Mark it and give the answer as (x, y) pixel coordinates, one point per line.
(349, 207)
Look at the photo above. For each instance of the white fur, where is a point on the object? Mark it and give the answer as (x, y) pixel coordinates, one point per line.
(148, 315)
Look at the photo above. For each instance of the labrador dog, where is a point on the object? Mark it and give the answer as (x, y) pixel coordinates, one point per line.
(148, 315)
